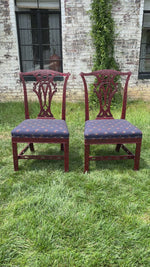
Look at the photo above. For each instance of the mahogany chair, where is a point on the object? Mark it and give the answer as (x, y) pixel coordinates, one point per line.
(105, 129)
(44, 128)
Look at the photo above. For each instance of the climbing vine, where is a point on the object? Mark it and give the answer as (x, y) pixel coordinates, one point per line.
(103, 36)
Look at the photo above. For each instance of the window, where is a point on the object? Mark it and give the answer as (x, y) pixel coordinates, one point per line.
(39, 34)
(144, 67)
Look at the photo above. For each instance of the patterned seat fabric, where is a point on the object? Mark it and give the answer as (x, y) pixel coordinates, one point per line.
(48, 128)
(113, 128)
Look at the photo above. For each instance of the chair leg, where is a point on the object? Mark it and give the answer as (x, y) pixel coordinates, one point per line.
(118, 147)
(31, 147)
(15, 156)
(137, 156)
(62, 147)
(66, 156)
(86, 158)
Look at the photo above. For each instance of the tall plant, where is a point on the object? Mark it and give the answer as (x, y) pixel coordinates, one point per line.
(103, 35)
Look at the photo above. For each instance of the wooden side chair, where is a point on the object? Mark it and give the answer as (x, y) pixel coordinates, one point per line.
(44, 128)
(105, 129)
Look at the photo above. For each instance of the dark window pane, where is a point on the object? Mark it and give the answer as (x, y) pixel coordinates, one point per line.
(39, 37)
(144, 65)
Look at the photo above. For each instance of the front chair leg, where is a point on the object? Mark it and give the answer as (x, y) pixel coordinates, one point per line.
(62, 147)
(66, 156)
(86, 158)
(137, 156)
(15, 156)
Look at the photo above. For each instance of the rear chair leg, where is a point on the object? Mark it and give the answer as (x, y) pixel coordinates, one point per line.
(118, 147)
(66, 156)
(31, 147)
(86, 158)
(15, 156)
(137, 156)
(62, 147)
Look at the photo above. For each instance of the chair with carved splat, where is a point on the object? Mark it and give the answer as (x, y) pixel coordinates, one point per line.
(44, 128)
(105, 129)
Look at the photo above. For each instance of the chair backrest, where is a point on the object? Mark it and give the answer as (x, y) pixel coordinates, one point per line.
(44, 84)
(105, 85)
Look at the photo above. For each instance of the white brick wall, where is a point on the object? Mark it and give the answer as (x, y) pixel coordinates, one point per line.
(9, 61)
(128, 17)
(77, 46)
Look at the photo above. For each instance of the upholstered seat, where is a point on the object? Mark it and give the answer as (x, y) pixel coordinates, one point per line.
(113, 128)
(41, 128)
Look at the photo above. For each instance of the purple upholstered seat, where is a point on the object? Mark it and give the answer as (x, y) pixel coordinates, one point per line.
(113, 128)
(48, 128)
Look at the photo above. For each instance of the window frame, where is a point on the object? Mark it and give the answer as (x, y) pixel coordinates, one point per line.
(143, 74)
(38, 13)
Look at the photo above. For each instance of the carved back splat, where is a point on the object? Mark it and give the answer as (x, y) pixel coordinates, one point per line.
(45, 86)
(105, 87)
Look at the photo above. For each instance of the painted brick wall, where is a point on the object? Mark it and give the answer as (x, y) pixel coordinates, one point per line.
(128, 17)
(77, 46)
(9, 63)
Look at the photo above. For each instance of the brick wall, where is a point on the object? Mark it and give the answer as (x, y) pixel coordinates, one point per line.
(128, 17)
(9, 62)
(77, 46)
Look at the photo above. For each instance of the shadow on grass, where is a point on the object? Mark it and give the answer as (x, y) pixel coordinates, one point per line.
(75, 159)
(115, 164)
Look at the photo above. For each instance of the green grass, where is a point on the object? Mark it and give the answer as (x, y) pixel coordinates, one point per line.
(52, 218)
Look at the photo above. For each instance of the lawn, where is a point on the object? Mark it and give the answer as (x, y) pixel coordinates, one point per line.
(52, 218)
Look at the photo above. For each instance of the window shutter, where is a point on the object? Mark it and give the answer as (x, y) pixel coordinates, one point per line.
(42, 4)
